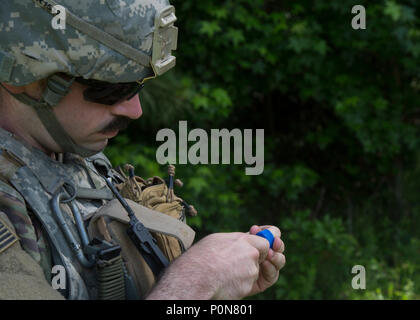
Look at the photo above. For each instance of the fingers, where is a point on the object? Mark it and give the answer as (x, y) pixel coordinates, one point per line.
(269, 270)
(241, 243)
(278, 244)
(275, 258)
(278, 260)
(261, 245)
(269, 273)
(274, 230)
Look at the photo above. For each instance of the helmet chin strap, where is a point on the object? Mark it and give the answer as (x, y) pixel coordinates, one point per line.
(57, 89)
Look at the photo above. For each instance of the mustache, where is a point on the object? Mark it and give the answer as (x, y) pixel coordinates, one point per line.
(119, 123)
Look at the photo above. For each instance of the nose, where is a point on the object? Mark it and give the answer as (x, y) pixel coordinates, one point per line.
(128, 108)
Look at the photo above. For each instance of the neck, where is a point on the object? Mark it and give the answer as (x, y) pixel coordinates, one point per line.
(15, 124)
(23, 136)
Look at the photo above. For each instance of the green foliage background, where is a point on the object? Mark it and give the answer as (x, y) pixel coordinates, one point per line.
(340, 109)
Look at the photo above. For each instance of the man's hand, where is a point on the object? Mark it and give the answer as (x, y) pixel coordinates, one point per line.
(224, 266)
(270, 267)
(262, 274)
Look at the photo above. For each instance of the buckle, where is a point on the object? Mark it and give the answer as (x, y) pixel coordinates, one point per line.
(165, 40)
(57, 88)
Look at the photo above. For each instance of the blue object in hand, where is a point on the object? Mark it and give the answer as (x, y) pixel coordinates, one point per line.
(268, 235)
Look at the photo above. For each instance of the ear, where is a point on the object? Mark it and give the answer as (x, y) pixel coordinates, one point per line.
(13, 89)
(33, 89)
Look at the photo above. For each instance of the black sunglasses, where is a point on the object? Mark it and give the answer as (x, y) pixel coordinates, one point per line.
(108, 93)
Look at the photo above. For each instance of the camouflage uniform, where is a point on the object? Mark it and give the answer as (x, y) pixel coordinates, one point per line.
(107, 40)
(25, 268)
(21, 276)
(31, 232)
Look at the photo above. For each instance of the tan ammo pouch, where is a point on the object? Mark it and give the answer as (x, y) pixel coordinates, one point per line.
(155, 197)
(110, 223)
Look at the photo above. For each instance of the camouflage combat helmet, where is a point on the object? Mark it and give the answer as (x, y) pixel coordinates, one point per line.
(108, 40)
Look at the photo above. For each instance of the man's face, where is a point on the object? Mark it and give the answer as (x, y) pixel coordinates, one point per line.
(90, 124)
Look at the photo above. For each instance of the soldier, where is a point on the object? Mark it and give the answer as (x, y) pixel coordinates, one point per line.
(63, 223)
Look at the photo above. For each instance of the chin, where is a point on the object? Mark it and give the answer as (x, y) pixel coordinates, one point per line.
(98, 146)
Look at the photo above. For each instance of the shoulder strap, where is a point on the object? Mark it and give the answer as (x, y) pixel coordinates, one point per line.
(153, 220)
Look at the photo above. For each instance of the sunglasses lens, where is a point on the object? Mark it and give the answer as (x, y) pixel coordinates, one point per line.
(109, 93)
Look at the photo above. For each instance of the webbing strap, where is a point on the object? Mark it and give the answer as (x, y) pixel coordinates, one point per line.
(7, 62)
(153, 220)
(99, 35)
(57, 88)
(54, 128)
(89, 193)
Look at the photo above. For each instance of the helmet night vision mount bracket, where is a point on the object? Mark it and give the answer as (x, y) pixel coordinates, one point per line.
(165, 40)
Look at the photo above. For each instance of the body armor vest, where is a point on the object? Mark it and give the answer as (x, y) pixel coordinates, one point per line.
(37, 180)
(41, 181)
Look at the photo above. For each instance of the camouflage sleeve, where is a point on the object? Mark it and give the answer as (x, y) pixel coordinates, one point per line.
(21, 277)
(22, 253)
(14, 207)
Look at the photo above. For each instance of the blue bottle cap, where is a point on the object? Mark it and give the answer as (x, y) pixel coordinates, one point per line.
(268, 235)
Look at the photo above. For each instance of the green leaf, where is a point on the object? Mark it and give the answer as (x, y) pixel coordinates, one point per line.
(210, 28)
